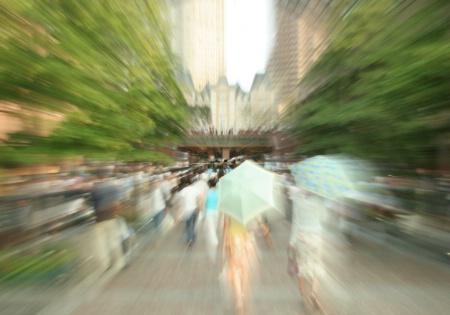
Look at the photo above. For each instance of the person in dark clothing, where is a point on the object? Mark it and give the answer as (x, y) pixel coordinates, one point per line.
(106, 199)
(221, 172)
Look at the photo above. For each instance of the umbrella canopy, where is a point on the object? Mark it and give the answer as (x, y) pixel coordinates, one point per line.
(248, 191)
(331, 176)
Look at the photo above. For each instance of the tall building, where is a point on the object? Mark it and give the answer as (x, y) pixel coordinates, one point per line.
(299, 41)
(198, 38)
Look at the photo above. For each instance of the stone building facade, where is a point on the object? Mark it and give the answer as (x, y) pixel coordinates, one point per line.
(232, 109)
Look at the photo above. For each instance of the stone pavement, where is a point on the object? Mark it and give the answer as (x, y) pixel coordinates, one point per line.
(168, 278)
(381, 274)
(378, 274)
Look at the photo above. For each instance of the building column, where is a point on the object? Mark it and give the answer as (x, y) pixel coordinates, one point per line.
(226, 154)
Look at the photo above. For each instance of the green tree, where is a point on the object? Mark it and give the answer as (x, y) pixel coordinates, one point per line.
(106, 66)
(381, 83)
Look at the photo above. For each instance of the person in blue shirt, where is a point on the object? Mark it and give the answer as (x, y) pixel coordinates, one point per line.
(211, 219)
(211, 172)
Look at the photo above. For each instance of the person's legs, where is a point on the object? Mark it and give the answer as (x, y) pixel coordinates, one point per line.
(243, 261)
(316, 253)
(216, 221)
(301, 256)
(194, 222)
(158, 220)
(308, 256)
(211, 235)
(234, 274)
(211, 230)
(238, 293)
(189, 225)
(303, 287)
(114, 243)
(190, 228)
(314, 300)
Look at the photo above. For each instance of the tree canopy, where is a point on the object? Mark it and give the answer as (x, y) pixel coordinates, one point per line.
(382, 87)
(105, 66)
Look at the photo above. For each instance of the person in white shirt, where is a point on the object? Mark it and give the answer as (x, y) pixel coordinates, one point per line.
(305, 243)
(177, 204)
(191, 200)
(202, 187)
(166, 188)
(158, 206)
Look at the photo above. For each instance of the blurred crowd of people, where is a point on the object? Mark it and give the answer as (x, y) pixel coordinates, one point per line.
(193, 202)
(190, 197)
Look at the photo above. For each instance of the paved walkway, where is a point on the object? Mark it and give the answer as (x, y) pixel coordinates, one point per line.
(167, 278)
(377, 275)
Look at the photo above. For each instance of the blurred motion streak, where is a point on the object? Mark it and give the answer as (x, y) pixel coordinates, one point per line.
(100, 75)
(380, 88)
(112, 92)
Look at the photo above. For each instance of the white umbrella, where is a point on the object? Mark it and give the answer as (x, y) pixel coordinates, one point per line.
(248, 191)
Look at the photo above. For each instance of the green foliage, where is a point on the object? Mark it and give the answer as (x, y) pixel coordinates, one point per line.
(379, 88)
(106, 65)
(144, 155)
(11, 157)
(43, 264)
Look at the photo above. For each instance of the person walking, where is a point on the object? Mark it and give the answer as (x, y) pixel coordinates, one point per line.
(201, 185)
(212, 172)
(239, 255)
(166, 188)
(176, 204)
(158, 206)
(221, 172)
(305, 243)
(191, 200)
(211, 219)
(106, 198)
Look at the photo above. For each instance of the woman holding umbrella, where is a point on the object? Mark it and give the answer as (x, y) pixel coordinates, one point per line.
(305, 243)
(245, 193)
(330, 177)
(239, 261)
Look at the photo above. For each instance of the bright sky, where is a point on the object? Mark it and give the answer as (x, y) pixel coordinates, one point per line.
(248, 36)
